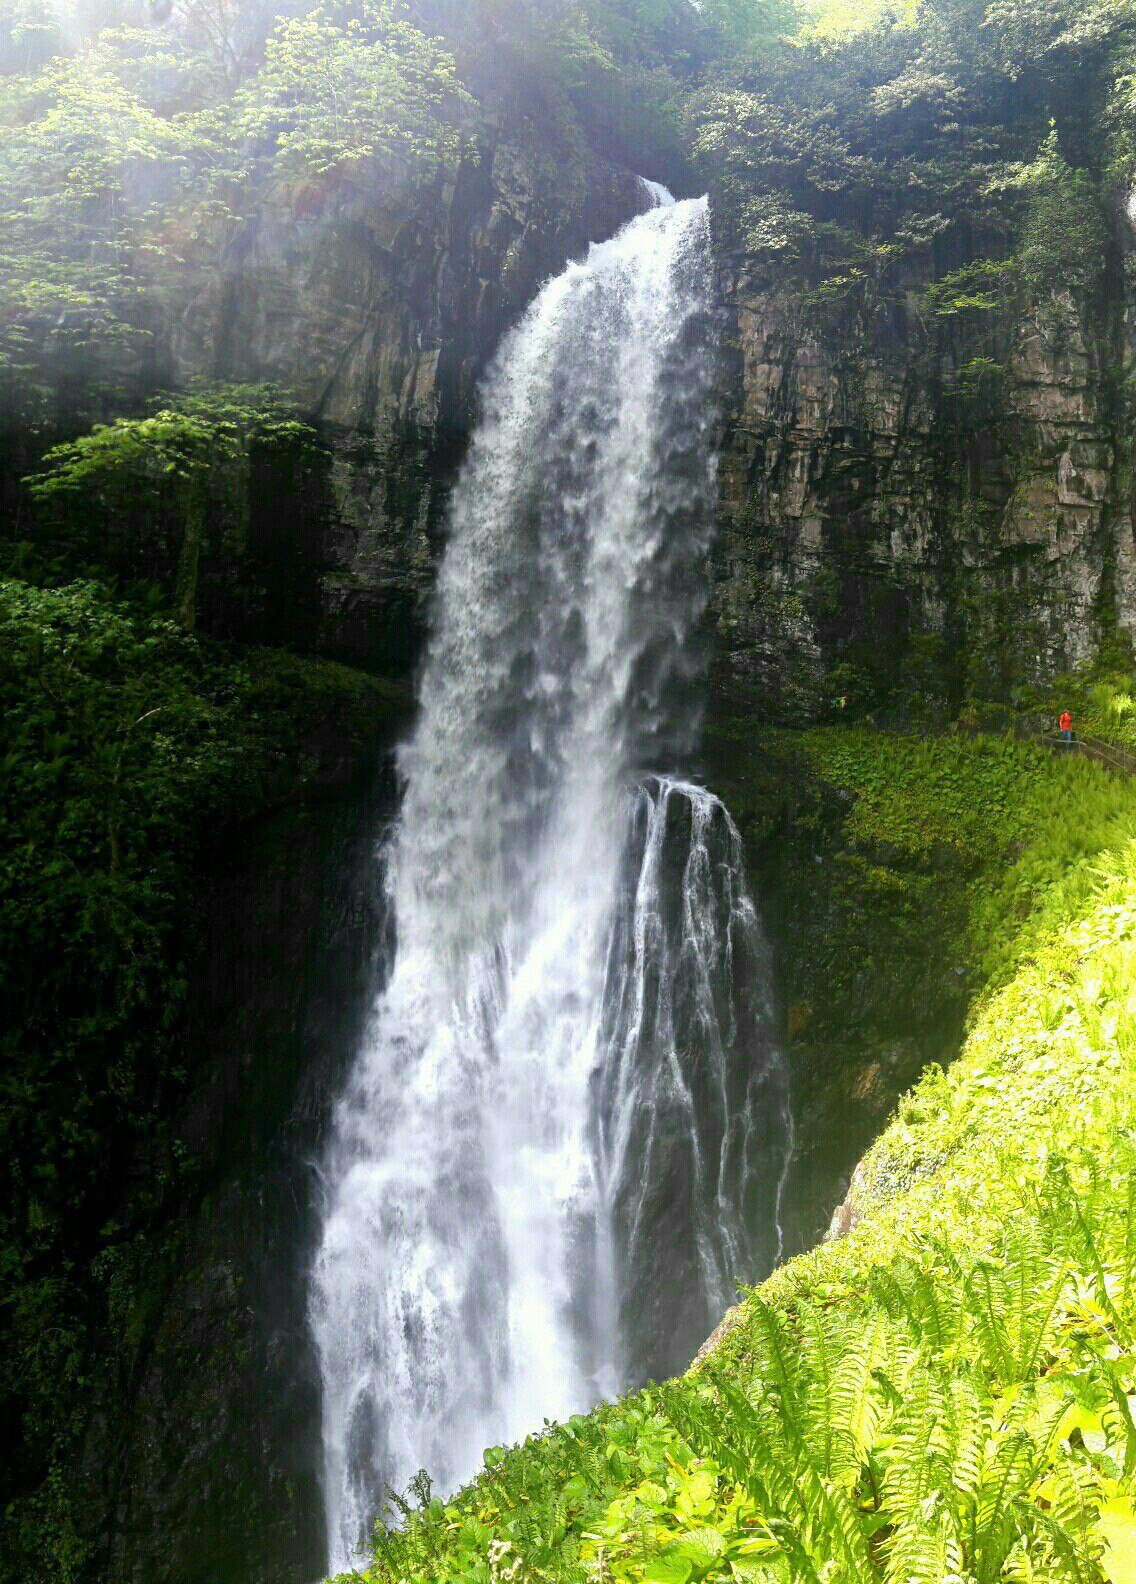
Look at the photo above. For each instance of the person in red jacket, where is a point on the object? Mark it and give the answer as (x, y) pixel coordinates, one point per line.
(1066, 725)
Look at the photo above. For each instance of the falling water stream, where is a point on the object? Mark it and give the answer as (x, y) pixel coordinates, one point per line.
(561, 1145)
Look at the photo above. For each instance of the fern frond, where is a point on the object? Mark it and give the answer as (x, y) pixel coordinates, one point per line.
(859, 1406)
(772, 1359)
(972, 1427)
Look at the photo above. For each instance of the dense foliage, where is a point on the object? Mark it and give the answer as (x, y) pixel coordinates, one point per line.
(967, 141)
(900, 138)
(144, 493)
(127, 750)
(123, 153)
(136, 138)
(849, 138)
(944, 1394)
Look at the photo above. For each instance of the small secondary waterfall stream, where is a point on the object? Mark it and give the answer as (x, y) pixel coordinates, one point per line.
(562, 1144)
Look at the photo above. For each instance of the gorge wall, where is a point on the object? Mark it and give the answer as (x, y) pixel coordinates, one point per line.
(878, 535)
(898, 515)
(379, 316)
(375, 306)
(200, 1462)
(913, 502)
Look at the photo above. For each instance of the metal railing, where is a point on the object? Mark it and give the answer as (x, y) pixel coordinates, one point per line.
(1106, 753)
(1037, 726)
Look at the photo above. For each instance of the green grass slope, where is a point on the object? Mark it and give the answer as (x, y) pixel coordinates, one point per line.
(947, 1393)
(895, 875)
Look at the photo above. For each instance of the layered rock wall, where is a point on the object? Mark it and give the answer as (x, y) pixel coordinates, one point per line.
(910, 504)
(378, 311)
(887, 527)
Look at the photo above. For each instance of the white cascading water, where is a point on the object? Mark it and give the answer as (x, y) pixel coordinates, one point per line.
(561, 1145)
(692, 1121)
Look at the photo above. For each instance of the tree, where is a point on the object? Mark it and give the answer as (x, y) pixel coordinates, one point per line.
(348, 83)
(90, 149)
(231, 34)
(748, 24)
(151, 478)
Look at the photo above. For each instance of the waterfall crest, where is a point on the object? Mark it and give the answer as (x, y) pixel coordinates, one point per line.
(563, 1077)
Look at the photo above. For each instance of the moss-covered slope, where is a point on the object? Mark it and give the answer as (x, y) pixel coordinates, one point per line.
(873, 856)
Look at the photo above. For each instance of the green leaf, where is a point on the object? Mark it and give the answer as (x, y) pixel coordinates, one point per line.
(667, 1569)
(1117, 1523)
(702, 1548)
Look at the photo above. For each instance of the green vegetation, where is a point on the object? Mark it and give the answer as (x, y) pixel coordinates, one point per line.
(156, 481)
(132, 152)
(945, 1392)
(123, 154)
(1024, 825)
(348, 83)
(128, 751)
(898, 876)
(854, 140)
(898, 127)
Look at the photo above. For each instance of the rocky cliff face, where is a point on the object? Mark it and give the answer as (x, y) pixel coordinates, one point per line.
(909, 504)
(905, 507)
(898, 513)
(376, 304)
(379, 311)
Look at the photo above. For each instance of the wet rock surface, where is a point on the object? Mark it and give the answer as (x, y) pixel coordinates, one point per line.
(879, 519)
(379, 312)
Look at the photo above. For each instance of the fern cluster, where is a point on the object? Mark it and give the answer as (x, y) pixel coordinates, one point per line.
(975, 1428)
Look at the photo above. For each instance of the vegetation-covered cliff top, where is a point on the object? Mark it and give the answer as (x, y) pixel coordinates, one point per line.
(920, 230)
(139, 136)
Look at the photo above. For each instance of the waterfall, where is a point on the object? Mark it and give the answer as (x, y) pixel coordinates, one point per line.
(559, 1147)
(691, 1107)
